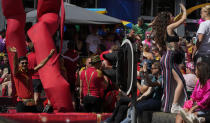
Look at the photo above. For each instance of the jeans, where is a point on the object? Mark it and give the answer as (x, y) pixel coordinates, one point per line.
(128, 118)
(144, 105)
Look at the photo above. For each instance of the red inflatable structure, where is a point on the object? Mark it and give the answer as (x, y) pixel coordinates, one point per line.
(56, 87)
(55, 117)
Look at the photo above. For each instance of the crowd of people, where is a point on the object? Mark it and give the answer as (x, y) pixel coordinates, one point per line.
(173, 72)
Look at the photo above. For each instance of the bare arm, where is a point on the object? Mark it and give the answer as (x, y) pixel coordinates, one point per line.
(172, 26)
(200, 39)
(15, 59)
(151, 24)
(42, 63)
(193, 108)
(142, 88)
(145, 94)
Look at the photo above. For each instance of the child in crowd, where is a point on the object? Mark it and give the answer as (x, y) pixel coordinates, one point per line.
(148, 41)
(199, 103)
(156, 54)
(190, 78)
(189, 50)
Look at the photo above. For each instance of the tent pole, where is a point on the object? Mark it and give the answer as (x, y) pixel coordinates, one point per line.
(35, 4)
(96, 3)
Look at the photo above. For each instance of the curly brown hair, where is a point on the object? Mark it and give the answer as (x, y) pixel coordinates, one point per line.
(159, 27)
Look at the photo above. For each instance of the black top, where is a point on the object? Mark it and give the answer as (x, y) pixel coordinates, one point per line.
(174, 38)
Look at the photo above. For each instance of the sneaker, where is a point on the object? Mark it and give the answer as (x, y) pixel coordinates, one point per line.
(48, 109)
(184, 114)
(189, 118)
(200, 119)
(175, 108)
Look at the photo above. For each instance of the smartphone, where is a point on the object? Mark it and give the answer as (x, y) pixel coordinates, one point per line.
(194, 39)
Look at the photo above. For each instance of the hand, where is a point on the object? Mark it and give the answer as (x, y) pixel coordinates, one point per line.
(145, 67)
(138, 99)
(13, 49)
(52, 52)
(81, 101)
(191, 110)
(138, 37)
(129, 104)
(182, 7)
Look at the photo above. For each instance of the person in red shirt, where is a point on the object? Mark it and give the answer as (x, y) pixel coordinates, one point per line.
(23, 81)
(92, 84)
(37, 84)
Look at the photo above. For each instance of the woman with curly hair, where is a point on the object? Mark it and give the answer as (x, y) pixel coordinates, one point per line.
(167, 41)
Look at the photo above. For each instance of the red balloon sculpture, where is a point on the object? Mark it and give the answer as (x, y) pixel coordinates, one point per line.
(56, 87)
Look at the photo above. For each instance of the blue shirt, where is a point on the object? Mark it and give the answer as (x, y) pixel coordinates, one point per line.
(158, 90)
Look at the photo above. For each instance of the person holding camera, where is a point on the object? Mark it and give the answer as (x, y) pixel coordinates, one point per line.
(151, 89)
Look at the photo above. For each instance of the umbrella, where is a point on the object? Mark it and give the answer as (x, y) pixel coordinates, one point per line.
(78, 15)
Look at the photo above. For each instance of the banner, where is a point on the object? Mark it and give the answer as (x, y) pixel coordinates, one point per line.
(128, 10)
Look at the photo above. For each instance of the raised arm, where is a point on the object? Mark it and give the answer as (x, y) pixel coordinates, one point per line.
(151, 24)
(172, 26)
(15, 59)
(43, 62)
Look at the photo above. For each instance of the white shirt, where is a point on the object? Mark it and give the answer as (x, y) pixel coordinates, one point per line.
(204, 29)
(190, 80)
(93, 41)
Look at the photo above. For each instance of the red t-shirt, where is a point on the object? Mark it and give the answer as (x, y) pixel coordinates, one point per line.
(23, 84)
(32, 64)
(96, 82)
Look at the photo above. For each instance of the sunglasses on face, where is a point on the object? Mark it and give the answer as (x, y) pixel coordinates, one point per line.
(154, 68)
(24, 63)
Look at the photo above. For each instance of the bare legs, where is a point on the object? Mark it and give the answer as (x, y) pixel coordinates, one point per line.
(179, 87)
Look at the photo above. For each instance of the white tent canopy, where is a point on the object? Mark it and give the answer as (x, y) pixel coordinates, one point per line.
(78, 15)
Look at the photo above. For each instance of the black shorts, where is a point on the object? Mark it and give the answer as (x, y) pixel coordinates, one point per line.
(37, 85)
(20, 107)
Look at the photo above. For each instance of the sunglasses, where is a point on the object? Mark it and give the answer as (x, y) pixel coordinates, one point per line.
(24, 63)
(154, 68)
